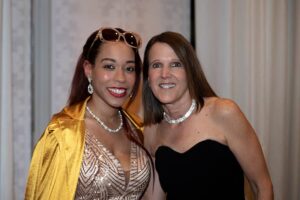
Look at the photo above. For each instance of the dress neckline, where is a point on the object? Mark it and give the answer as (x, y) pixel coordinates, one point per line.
(192, 147)
(116, 161)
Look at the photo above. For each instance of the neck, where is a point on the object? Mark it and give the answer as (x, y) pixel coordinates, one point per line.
(183, 116)
(108, 113)
(103, 124)
(178, 109)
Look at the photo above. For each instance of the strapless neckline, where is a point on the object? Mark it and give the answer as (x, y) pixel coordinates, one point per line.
(192, 148)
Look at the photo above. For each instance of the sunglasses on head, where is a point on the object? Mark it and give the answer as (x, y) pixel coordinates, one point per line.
(114, 35)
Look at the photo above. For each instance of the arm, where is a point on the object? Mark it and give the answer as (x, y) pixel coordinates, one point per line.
(40, 172)
(243, 142)
(154, 190)
(48, 173)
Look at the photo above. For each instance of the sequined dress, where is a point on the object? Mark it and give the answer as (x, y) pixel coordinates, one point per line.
(102, 176)
(207, 171)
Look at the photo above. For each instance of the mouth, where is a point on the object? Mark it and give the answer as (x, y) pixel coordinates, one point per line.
(167, 85)
(117, 92)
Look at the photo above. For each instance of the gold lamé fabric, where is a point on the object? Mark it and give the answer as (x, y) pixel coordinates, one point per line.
(102, 176)
(57, 157)
(56, 160)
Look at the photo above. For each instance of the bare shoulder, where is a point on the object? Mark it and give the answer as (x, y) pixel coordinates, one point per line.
(229, 118)
(224, 109)
(227, 115)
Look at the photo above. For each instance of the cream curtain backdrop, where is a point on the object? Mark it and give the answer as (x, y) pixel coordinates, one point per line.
(248, 50)
(15, 107)
(6, 156)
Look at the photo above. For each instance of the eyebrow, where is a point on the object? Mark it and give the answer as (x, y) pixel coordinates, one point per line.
(158, 60)
(153, 61)
(113, 60)
(108, 59)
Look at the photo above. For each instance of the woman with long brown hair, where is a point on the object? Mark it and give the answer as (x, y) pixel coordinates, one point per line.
(203, 144)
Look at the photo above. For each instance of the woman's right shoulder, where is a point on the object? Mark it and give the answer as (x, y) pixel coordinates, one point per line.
(60, 127)
(150, 137)
(58, 122)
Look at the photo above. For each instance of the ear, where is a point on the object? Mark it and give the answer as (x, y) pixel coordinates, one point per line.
(87, 66)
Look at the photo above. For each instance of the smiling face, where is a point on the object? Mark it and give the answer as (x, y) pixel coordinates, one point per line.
(113, 75)
(167, 75)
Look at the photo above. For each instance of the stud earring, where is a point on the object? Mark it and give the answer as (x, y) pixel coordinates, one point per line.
(90, 87)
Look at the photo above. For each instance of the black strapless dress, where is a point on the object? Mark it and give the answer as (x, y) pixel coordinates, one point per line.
(207, 171)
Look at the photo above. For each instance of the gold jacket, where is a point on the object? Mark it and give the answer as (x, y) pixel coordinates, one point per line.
(57, 157)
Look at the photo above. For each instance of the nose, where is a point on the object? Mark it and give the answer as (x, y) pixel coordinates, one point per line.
(120, 75)
(165, 72)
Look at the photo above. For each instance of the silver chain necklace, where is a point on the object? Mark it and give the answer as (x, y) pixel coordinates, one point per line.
(184, 117)
(103, 125)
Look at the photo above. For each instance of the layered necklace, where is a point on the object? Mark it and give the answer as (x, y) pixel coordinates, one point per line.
(184, 117)
(103, 125)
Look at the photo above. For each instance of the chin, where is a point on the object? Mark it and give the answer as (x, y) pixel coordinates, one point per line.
(165, 100)
(116, 104)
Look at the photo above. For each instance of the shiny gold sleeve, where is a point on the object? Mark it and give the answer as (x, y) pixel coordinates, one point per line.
(47, 173)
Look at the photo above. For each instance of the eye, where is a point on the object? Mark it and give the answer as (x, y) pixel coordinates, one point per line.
(109, 67)
(176, 64)
(156, 65)
(130, 68)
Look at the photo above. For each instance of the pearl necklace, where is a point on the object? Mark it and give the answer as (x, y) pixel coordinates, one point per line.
(103, 124)
(184, 117)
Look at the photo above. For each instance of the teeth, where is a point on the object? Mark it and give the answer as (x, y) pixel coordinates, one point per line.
(117, 91)
(167, 85)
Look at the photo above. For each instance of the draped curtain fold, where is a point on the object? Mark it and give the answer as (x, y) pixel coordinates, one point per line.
(248, 50)
(6, 133)
(15, 98)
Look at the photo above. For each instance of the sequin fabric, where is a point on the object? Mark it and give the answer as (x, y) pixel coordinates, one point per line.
(102, 176)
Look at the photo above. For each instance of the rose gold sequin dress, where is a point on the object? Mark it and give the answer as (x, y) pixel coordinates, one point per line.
(102, 176)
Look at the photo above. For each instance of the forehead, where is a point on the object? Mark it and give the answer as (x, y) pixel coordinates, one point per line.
(162, 51)
(115, 49)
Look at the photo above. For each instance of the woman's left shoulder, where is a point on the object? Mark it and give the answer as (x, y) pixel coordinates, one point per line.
(224, 109)
(227, 116)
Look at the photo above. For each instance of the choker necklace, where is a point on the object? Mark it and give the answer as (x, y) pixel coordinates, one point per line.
(102, 123)
(184, 117)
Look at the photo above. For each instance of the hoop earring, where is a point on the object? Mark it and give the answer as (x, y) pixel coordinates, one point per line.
(90, 87)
